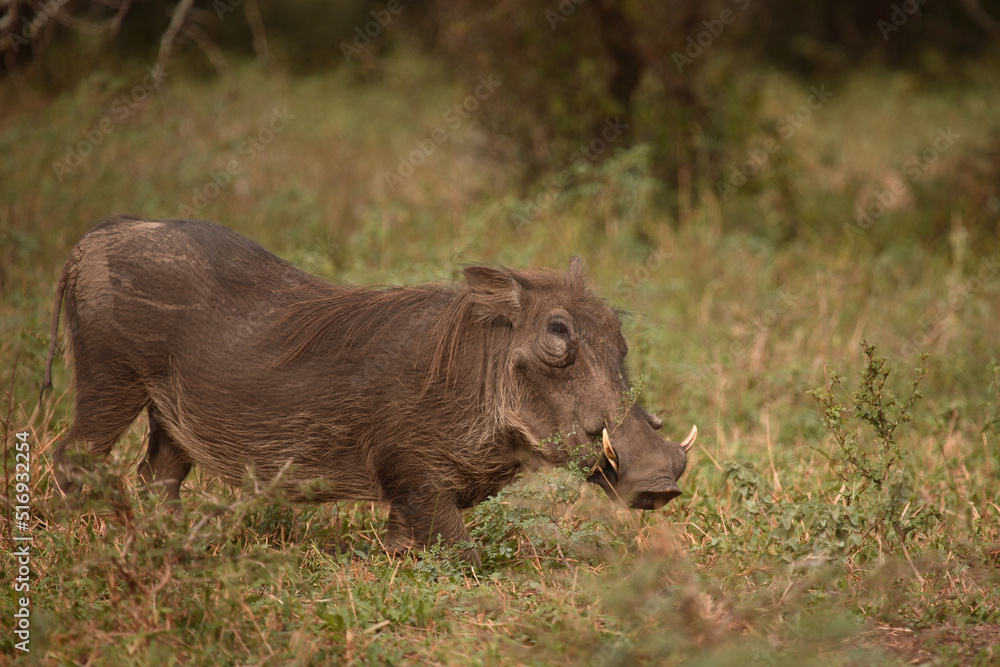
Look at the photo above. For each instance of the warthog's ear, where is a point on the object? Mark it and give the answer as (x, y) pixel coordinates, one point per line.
(496, 291)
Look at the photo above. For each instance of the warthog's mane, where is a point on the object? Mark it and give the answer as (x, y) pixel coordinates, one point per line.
(347, 320)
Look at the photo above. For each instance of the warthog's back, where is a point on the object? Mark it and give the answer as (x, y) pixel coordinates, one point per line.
(175, 282)
(188, 309)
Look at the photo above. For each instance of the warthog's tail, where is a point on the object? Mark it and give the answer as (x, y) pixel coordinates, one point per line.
(54, 333)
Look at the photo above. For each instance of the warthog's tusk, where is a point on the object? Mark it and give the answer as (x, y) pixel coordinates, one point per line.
(609, 451)
(689, 441)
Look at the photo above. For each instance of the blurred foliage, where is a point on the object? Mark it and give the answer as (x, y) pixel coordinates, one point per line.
(662, 73)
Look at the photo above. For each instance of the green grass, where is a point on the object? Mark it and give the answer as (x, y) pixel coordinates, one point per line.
(774, 555)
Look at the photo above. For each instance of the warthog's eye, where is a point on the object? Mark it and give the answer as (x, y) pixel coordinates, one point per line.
(557, 346)
(558, 327)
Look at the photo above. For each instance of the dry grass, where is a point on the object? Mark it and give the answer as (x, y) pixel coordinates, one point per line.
(759, 562)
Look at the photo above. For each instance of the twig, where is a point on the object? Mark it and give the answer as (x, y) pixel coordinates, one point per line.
(91, 27)
(167, 41)
(982, 19)
(256, 24)
(210, 49)
(912, 565)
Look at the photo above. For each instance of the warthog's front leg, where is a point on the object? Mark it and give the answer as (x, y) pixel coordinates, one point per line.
(416, 522)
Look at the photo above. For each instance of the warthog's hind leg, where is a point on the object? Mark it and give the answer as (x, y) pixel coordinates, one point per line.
(104, 410)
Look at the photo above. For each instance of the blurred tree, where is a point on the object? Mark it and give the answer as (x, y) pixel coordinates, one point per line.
(571, 69)
(580, 78)
(618, 40)
(673, 71)
(831, 36)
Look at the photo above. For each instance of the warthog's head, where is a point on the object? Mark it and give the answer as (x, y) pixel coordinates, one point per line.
(570, 389)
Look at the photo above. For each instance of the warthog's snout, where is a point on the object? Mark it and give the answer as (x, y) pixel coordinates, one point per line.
(654, 500)
(640, 468)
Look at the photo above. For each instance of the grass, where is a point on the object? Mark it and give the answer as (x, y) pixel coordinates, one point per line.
(781, 551)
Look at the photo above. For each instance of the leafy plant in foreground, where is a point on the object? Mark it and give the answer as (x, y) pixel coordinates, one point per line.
(869, 498)
(798, 528)
(872, 466)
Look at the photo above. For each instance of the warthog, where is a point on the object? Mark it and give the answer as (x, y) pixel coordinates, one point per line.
(429, 398)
